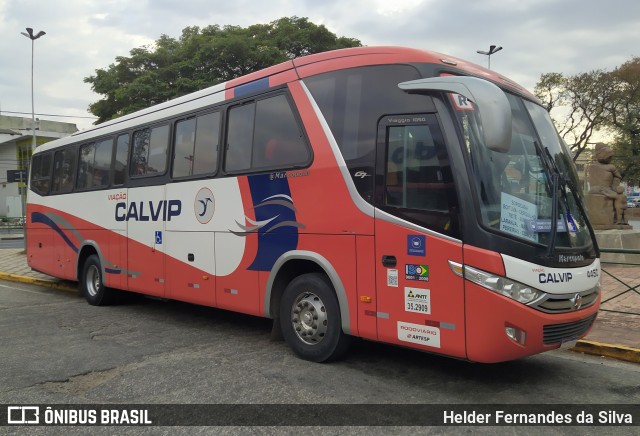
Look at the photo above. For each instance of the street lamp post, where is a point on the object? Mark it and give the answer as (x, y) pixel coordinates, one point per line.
(492, 49)
(29, 34)
(33, 37)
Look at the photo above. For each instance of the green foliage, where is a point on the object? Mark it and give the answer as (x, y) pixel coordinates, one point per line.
(627, 158)
(550, 89)
(201, 58)
(624, 117)
(577, 104)
(599, 100)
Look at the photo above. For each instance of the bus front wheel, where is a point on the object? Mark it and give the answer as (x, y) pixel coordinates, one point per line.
(92, 284)
(310, 319)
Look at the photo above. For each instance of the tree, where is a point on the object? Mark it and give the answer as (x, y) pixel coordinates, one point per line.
(550, 90)
(577, 104)
(201, 58)
(624, 117)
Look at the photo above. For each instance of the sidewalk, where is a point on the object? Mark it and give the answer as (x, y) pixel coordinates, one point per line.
(616, 332)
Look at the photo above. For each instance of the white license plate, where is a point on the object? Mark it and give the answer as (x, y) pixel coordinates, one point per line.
(568, 344)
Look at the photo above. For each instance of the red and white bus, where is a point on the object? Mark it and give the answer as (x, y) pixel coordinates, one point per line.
(386, 193)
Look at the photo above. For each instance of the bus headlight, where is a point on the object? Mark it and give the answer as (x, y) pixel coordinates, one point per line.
(516, 291)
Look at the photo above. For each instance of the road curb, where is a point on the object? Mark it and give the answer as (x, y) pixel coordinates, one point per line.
(620, 352)
(63, 286)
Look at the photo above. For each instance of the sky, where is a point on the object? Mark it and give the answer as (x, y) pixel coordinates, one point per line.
(537, 36)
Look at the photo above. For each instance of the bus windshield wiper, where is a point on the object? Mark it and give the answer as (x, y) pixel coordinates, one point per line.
(562, 183)
(554, 216)
(557, 179)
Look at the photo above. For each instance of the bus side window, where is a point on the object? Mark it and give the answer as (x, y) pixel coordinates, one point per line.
(64, 167)
(94, 165)
(239, 138)
(183, 144)
(120, 164)
(41, 173)
(85, 166)
(102, 163)
(278, 142)
(196, 145)
(265, 135)
(206, 144)
(418, 183)
(149, 154)
(140, 152)
(157, 162)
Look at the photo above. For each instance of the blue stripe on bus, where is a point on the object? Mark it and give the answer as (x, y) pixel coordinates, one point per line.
(251, 87)
(38, 217)
(279, 235)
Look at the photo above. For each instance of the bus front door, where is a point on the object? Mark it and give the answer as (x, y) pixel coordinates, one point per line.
(420, 299)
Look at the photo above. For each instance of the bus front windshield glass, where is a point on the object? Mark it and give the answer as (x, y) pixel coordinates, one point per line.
(515, 189)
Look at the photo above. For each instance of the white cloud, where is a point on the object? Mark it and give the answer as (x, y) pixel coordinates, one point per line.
(538, 36)
(389, 8)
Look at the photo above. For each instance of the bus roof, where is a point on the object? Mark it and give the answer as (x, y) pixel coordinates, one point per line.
(282, 73)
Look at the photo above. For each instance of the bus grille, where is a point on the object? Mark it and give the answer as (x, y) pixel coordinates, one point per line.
(565, 303)
(556, 333)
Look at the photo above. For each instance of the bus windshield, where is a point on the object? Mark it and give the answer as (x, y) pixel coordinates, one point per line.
(516, 189)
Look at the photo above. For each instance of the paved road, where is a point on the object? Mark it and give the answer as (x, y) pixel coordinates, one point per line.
(12, 237)
(12, 243)
(57, 349)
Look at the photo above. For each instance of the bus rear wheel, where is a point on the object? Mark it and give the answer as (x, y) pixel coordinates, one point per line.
(310, 319)
(92, 283)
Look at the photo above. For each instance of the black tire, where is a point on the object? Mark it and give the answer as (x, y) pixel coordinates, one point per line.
(92, 284)
(310, 319)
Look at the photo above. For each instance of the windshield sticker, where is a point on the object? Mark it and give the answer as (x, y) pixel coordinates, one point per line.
(417, 300)
(461, 103)
(516, 214)
(544, 226)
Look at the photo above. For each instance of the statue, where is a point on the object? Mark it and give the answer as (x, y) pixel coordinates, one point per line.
(603, 175)
(619, 204)
(606, 201)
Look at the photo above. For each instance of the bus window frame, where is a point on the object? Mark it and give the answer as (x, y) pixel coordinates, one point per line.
(134, 181)
(95, 142)
(50, 178)
(125, 183)
(253, 99)
(74, 148)
(432, 120)
(219, 148)
(154, 176)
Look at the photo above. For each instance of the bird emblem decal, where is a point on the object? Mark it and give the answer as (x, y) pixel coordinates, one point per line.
(205, 204)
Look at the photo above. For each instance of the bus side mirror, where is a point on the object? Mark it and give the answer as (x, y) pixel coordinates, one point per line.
(491, 103)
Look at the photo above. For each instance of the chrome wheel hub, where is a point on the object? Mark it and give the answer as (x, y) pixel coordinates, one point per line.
(93, 280)
(309, 318)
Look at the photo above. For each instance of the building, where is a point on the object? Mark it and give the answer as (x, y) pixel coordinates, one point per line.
(16, 139)
(582, 164)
